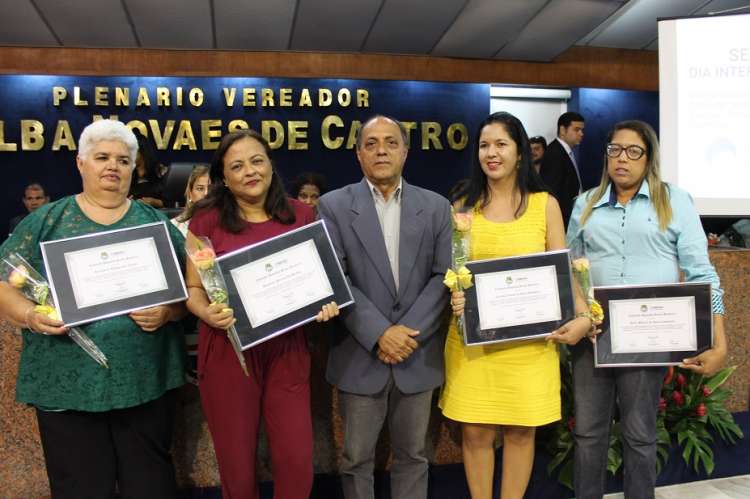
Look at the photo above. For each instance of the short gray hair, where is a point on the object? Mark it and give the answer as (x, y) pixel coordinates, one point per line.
(107, 130)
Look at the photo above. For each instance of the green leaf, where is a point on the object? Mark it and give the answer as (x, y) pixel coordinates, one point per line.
(566, 475)
(614, 460)
(705, 456)
(682, 436)
(698, 452)
(719, 378)
(725, 426)
(557, 460)
(687, 451)
(662, 456)
(719, 395)
(681, 426)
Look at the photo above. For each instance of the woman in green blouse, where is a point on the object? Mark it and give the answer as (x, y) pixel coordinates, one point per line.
(101, 429)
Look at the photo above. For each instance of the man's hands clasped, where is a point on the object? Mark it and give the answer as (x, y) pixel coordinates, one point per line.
(396, 344)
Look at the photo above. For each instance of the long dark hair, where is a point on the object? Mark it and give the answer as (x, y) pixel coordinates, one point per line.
(477, 189)
(148, 153)
(276, 205)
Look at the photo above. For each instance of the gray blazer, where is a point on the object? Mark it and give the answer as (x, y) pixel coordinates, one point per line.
(420, 302)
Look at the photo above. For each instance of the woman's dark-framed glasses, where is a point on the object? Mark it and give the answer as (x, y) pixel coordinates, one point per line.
(632, 152)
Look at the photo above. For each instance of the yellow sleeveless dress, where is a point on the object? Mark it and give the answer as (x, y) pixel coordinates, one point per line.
(515, 383)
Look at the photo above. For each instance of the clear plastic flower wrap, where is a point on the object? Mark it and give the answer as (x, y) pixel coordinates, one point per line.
(17, 272)
(202, 254)
(583, 276)
(458, 277)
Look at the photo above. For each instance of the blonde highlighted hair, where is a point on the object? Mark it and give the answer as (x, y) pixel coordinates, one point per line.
(658, 190)
(197, 172)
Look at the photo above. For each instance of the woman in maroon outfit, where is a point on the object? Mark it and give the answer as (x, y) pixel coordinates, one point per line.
(247, 204)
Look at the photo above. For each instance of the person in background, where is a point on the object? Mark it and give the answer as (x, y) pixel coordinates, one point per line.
(516, 385)
(634, 229)
(247, 205)
(308, 187)
(146, 185)
(34, 196)
(560, 170)
(538, 146)
(393, 241)
(196, 189)
(102, 430)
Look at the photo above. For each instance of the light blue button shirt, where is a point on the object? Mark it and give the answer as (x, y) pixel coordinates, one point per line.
(625, 246)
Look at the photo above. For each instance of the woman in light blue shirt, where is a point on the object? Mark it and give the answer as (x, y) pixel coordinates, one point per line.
(634, 229)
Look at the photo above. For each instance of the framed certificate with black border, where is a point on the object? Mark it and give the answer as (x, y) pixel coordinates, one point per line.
(281, 283)
(653, 325)
(112, 273)
(517, 298)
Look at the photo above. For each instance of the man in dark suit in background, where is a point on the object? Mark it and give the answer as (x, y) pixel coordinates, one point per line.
(394, 243)
(34, 196)
(559, 168)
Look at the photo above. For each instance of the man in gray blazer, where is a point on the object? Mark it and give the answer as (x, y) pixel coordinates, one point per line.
(394, 243)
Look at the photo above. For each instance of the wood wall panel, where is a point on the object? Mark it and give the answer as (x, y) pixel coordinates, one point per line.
(577, 67)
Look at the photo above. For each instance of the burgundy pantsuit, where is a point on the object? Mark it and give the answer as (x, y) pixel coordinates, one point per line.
(278, 388)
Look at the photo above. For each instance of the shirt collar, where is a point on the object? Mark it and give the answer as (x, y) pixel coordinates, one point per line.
(610, 195)
(377, 194)
(565, 145)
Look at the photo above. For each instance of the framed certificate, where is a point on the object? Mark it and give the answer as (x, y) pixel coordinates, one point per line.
(519, 297)
(111, 273)
(281, 283)
(653, 325)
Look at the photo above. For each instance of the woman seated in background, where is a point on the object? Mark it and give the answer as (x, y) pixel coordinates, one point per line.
(634, 229)
(146, 184)
(247, 205)
(102, 430)
(308, 187)
(195, 190)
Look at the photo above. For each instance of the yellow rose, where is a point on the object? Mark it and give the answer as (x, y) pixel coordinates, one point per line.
(596, 311)
(462, 221)
(203, 258)
(18, 277)
(580, 264)
(48, 311)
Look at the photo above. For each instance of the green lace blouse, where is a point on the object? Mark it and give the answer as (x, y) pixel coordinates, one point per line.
(54, 373)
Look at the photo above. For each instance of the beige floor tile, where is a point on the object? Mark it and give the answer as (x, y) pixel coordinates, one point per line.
(737, 487)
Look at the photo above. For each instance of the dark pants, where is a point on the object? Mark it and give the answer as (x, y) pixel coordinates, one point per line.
(278, 388)
(364, 415)
(88, 454)
(596, 390)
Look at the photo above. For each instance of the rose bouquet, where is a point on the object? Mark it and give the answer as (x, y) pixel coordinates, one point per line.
(201, 253)
(23, 277)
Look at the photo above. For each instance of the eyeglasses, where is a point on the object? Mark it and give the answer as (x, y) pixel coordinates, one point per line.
(632, 152)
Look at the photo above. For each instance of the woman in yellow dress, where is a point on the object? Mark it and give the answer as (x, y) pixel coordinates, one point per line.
(515, 386)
